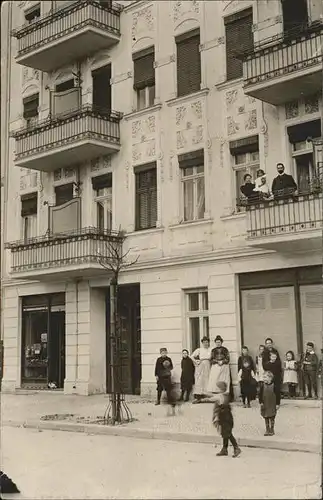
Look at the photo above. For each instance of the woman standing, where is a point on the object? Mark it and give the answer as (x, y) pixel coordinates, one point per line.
(201, 357)
(220, 369)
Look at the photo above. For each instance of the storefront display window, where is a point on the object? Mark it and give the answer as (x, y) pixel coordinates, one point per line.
(35, 345)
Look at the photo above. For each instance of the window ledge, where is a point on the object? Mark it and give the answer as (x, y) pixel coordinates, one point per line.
(152, 230)
(185, 98)
(235, 215)
(141, 112)
(229, 83)
(191, 223)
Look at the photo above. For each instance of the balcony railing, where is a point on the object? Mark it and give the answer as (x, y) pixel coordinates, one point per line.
(85, 123)
(82, 247)
(298, 213)
(65, 21)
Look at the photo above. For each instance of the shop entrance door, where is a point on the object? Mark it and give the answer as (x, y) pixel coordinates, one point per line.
(56, 348)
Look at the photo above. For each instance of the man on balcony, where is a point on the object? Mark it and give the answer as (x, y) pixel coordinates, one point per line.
(283, 185)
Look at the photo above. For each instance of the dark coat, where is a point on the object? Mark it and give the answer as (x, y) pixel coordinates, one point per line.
(283, 185)
(268, 406)
(266, 355)
(246, 358)
(248, 191)
(223, 415)
(312, 358)
(248, 384)
(160, 370)
(276, 369)
(188, 372)
(220, 353)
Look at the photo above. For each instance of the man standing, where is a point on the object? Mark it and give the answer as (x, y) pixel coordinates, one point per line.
(269, 347)
(283, 185)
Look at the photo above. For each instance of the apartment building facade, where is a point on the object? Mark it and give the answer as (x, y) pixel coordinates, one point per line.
(145, 116)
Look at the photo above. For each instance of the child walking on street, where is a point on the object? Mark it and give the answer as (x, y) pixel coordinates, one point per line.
(163, 372)
(268, 406)
(223, 420)
(187, 375)
(290, 374)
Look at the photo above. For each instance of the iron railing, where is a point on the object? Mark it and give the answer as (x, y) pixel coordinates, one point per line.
(65, 21)
(297, 213)
(86, 122)
(84, 246)
(284, 56)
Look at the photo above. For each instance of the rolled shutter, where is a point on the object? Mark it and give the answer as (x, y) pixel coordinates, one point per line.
(31, 106)
(193, 159)
(63, 193)
(144, 71)
(102, 181)
(146, 198)
(29, 204)
(188, 63)
(239, 40)
(245, 145)
(303, 131)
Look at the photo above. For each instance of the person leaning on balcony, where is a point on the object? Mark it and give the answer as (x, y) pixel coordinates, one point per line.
(247, 189)
(263, 189)
(283, 185)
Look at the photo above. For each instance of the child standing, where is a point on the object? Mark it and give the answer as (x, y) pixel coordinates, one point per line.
(260, 371)
(223, 420)
(290, 374)
(163, 372)
(187, 375)
(248, 383)
(310, 363)
(275, 367)
(268, 405)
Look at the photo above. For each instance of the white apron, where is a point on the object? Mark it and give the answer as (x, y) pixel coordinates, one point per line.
(219, 373)
(201, 358)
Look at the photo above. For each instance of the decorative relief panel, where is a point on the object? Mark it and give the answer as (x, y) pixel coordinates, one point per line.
(190, 130)
(291, 109)
(30, 75)
(311, 104)
(143, 134)
(28, 179)
(308, 105)
(184, 7)
(142, 24)
(63, 174)
(241, 112)
(100, 163)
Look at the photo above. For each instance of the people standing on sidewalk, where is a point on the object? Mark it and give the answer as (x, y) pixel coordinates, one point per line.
(220, 369)
(201, 357)
(290, 374)
(268, 406)
(248, 384)
(260, 371)
(275, 367)
(269, 347)
(187, 376)
(309, 363)
(163, 372)
(222, 420)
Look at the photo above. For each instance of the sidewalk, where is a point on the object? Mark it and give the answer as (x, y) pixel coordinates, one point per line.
(298, 425)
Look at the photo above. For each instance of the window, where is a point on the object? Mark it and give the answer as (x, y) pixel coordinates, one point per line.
(303, 154)
(30, 112)
(238, 39)
(33, 14)
(144, 77)
(188, 63)
(102, 186)
(193, 185)
(197, 307)
(146, 196)
(29, 215)
(245, 157)
(101, 89)
(62, 87)
(295, 16)
(64, 193)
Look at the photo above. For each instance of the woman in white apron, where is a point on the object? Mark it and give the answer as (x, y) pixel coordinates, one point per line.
(201, 357)
(220, 368)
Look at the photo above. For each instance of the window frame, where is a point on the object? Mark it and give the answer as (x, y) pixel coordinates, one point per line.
(33, 98)
(149, 82)
(62, 186)
(201, 314)
(149, 191)
(35, 9)
(194, 177)
(308, 150)
(104, 200)
(182, 40)
(241, 15)
(148, 101)
(248, 168)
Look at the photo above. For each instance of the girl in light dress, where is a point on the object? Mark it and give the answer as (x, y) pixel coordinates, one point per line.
(201, 357)
(290, 373)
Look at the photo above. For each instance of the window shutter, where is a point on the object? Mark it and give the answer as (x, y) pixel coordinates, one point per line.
(29, 204)
(102, 181)
(63, 193)
(144, 71)
(303, 131)
(146, 198)
(238, 39)
(31, 106)
(245, 145)
(193, 159)
(188, 63)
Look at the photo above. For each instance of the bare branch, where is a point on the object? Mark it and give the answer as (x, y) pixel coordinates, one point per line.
(114, 259)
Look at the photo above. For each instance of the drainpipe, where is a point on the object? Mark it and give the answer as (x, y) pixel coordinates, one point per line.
(77, 333)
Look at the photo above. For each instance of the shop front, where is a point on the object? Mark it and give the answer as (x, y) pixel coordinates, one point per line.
(43, 341)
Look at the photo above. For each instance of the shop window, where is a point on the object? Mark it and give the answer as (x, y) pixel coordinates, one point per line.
(146, 196)
(144, 77)
(188, 63)
(102, 187)
(238, 40)
(193, 185)
(197, 314)
(30, 111)
(64, 193)
(35, 331)
(29, 215)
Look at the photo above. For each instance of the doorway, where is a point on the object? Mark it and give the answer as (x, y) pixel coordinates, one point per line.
(128, 308)
(101, 92)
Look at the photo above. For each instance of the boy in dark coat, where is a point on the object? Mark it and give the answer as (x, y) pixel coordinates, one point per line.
(268, 406)
(187, 375)
(163, 372)
(310, 364)
(275, 367)
(223, 421)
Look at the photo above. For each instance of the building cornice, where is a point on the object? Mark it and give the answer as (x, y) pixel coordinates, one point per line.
(180, 100)
(142, 112)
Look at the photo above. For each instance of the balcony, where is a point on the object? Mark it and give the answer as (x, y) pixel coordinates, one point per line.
(287, 225)
(68, 34)
(68, 138)
(72, 254)
(282, 71)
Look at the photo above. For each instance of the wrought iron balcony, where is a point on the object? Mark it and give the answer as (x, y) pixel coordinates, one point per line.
(67, 34)
(290, 224)
(72, 254)
(279, 71)
(73, 137)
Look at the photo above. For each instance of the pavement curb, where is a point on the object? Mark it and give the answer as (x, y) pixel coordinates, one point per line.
(184, 437)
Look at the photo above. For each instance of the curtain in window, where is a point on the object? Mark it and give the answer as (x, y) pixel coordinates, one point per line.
(200, 185)
(189, 199)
